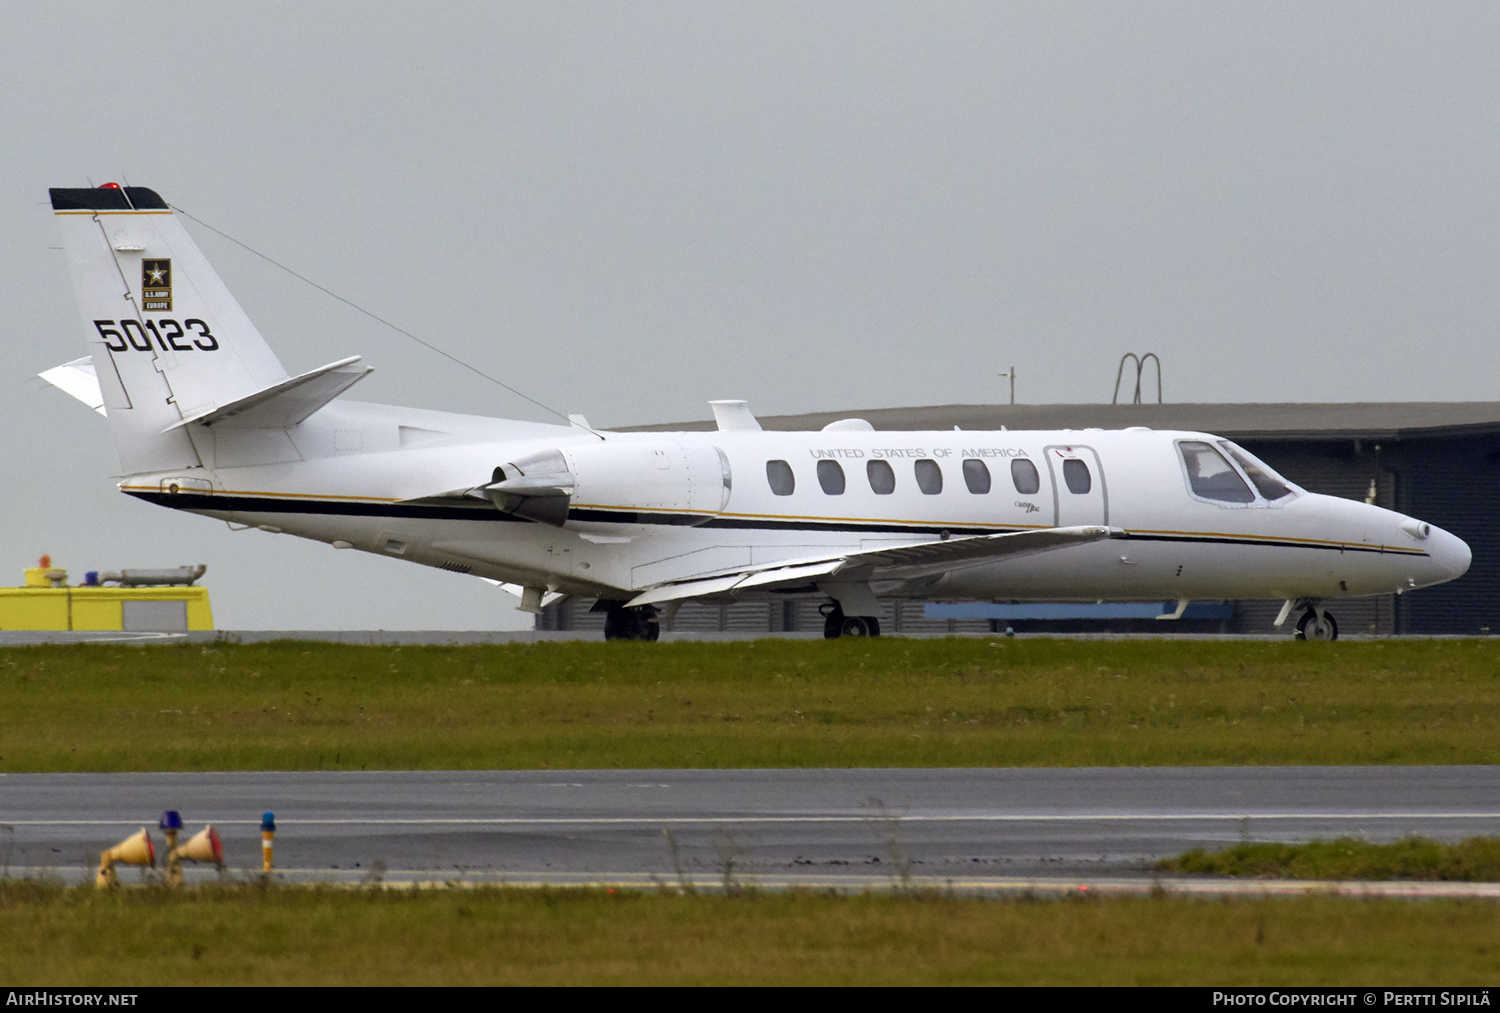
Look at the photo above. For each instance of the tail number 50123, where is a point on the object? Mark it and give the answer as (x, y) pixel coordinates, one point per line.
(135, 335)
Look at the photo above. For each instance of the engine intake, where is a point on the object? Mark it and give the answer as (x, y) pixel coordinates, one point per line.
(538, 487)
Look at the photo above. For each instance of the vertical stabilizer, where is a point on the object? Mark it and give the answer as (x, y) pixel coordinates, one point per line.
(167, 339)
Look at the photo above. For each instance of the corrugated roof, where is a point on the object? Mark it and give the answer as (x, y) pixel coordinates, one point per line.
(1360, 420)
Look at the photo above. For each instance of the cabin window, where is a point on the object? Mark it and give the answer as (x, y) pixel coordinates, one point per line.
(831, 477)
(882, 477)
(1024, 476)
(1269, 484)
(779, 475)
(1076, 475)
(1212, 477)
(929, 477)
(977, 476)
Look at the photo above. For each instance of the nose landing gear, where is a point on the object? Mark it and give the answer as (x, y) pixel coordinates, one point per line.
(1317, 624)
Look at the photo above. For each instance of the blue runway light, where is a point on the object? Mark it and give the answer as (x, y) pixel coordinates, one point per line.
(171, 819)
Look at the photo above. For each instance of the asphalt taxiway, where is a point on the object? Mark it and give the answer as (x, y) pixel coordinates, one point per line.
(971, 827)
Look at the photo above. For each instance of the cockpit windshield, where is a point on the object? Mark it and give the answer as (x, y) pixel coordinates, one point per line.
(1269, 484)
(1211, 476)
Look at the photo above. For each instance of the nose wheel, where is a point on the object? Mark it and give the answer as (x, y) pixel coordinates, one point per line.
(1317, 624)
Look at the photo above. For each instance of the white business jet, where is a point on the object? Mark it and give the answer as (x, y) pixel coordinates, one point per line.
(205, 419)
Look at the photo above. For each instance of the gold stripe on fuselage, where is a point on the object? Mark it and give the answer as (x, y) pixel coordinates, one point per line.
(274, 495)
(1393, 549)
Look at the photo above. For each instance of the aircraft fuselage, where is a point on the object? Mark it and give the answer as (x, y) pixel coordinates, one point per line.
(851, 491)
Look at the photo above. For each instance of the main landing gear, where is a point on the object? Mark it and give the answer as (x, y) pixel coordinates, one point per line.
(639, 623)
(1317, 624)
(836, 624)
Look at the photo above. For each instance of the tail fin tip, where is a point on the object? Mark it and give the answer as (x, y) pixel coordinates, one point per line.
(110, 197)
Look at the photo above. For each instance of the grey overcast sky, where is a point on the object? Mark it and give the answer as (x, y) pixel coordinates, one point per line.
(626, 209)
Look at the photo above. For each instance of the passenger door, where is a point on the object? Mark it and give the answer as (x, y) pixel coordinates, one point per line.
(1079, 495)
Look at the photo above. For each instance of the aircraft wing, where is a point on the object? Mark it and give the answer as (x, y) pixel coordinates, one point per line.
(902, 562)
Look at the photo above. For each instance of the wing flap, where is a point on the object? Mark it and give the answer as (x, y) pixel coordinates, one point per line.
(688, 589)
(910, 561)
(737, 582)
(903, 562)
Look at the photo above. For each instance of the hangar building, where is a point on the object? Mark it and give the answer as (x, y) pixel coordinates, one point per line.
(1439, 461)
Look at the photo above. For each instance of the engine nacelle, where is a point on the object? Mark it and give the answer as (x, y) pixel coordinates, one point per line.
(616, 483)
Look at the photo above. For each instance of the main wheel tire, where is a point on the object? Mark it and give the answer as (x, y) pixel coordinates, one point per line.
(631, 624)
(874, 625)
(833, 620)
(616, 625)
(855, 626)
(1317, 625)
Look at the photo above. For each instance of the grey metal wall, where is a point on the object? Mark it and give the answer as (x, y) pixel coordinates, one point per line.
(1455, 484)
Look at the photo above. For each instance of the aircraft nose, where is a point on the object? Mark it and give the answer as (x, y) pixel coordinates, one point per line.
(1450, 553)
(1448, 556)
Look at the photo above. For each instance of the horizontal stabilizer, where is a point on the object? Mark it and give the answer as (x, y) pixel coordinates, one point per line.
(77, 379)
(903, 562)
(285, 404)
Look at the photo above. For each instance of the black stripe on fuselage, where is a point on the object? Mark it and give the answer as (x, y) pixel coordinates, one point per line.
(481, 511)
(459, 511)
(325, 508)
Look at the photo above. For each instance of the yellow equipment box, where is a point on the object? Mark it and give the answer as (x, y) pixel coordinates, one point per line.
(47, 603)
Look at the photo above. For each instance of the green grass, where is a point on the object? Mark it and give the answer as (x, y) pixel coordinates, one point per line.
(53, 935)
(770, 703)
(1472, 859)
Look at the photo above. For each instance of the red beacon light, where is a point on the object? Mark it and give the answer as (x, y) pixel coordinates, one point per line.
(109, 186)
